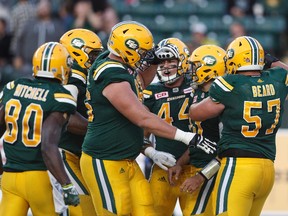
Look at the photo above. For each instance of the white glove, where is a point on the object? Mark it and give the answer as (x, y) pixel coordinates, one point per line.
(162, 159)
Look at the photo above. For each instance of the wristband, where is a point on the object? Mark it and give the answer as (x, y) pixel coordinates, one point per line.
(184, 137)
(210, 169)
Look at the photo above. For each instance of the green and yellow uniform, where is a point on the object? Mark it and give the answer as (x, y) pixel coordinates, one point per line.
(25, 181)
(111, 145)
(210, 128)
(172, 105)
(251, 118)
(71, 146)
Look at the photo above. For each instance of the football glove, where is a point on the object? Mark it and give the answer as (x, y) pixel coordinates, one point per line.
(162, 159)
(70, 195)
(151, 57)
(268, 60)
(203, 143)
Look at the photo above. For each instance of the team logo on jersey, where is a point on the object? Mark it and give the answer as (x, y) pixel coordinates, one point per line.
(78, 43)
(132, 44)
(209, 60)
(175, 90)
(161, 95)
(230, 53)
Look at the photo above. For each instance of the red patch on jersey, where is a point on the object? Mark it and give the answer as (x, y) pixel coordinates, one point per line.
(161, 95)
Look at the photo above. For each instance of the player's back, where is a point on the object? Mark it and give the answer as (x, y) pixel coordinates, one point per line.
(253, 108)
(27, 104)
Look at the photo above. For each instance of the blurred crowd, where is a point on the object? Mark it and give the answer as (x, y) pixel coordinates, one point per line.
(26, 24)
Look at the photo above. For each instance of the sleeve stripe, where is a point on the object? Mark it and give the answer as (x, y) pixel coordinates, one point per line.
(104, 66)
(66, 98)
(286, 82)
(78, 75)
(223, 84)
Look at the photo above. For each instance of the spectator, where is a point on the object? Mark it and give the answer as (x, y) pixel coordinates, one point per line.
(20, 14)
(200, 36)
(5, 54)
(240, 8)
(36, 32)
(236, 29)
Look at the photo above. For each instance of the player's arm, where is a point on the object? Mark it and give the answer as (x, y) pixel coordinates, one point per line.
(193, 183)
(51, 133)
(205, 109)
(176, 170)
(49, 147)
(272, 61)
(77, 124)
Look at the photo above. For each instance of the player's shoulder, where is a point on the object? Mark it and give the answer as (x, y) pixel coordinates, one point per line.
(277, 73)
(226, 82)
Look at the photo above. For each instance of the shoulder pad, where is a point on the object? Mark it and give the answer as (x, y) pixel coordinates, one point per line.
(73, 90)
(223, 84)
(106, 65)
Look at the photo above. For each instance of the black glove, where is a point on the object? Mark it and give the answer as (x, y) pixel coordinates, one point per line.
(151, 58)
(70, 195)
(203, 143)
(268, 60)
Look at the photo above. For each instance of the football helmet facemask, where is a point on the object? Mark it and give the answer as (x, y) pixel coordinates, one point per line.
(83, 45)
(52, 60)
(207, 62)
(168, 49)
(244, 54)
(131, 41)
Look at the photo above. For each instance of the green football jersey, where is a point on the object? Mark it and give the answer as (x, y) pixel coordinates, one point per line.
(27, 104)
(172, 105)
(110, 135)
(69, 141)
(208, 128)
(253, 110)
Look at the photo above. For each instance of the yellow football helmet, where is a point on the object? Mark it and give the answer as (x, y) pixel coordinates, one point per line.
(173, 48)
(130, 40)
(52, 60)
(83, 45)
(244, 54)
(207, 63)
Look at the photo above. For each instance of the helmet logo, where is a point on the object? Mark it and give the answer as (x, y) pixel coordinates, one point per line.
(230, 53)
(209, 60)
(132, 44)
(78, 43)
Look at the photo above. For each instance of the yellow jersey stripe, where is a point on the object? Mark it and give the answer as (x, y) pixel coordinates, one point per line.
(79, 75)
(147, 92)
(286, 81)
(104, 66)
(222, 83)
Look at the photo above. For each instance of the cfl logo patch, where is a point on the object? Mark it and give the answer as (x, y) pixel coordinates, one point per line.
(132, 44)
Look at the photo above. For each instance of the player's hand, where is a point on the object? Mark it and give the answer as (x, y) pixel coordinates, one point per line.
(162, 159)
(191, 184)
(268, 60)
(151, 57)
(173, 173)
(203, 143)
(70, 195)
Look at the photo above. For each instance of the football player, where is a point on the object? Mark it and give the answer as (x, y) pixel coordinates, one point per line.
(169, 99)
(207, 63)
(116, 120)
(250, 102)
(84, 46)
(33, 113)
